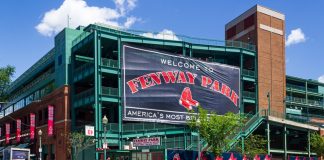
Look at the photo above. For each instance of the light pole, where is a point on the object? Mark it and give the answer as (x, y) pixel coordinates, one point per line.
(40, 144)
(198, 145)
(105, 122)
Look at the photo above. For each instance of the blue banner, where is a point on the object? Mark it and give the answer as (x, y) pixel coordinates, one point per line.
(162, 87)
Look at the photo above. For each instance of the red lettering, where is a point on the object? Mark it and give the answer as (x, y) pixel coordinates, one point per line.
(215, 86)
(169, 76)
(132, 86)
(145, 83)
(181, 78)
(155, 78)
(205, 81)
(226, 90)
(234, 98)
(191, 77)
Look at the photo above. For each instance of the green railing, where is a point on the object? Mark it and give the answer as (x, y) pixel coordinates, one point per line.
(109, 91)
(80, 38)
(296, 99)
(247, 72)
(296, 87)
(315, 102)
(84, 95)
(165, 36)
(313, 90)
(109, 62)
(247, 94)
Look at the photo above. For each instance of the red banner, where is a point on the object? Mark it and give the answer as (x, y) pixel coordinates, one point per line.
(32, 126)
(7, 133)
(50, 126)
(18, 130)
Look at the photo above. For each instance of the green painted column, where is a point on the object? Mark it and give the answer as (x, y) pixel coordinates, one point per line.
(97, 126)
(241, 84)
(184, 49)
(190, 50)
(256, 83)
(120, 107)
(185, 141)
(98, 89)
(242, 145)
(308, 144)
(72, 93)
(268, 136)
(285, 141)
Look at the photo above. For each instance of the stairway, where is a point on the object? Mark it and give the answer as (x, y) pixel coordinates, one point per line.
(248, 128)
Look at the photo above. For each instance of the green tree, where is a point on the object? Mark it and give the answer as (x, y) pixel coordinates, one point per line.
(317, 144)
(77, 142)
(216, 130)
(253, 145)
(6, 74)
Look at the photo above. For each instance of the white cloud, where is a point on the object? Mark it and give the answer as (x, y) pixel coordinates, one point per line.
(81, 13)
(321, 79)
(296, 36)
(164, 34)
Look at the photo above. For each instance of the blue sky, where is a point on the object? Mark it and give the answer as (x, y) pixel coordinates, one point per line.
(22, 43)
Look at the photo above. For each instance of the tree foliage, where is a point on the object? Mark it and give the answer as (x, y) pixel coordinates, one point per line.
(253, 145)
(317, 144)
(217, 130)
(6, 74)
(77, 142)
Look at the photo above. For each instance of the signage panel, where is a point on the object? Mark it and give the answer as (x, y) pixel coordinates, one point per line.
(161, 87)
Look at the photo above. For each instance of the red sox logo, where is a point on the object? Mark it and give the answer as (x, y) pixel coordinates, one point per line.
(176, 156)
(186, 99)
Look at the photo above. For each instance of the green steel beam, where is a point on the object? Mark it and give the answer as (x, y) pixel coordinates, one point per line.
(248, 100)
(96, 104)
(109, 36)
(84, 58)
(109, 70)
(248, 52)
(268, 137)
(285, 142)
(241, 84)
(109, 99)
(120, 113)
(248, 79)
(232, 50)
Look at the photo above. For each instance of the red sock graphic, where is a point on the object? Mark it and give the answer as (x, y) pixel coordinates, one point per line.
(186, 99)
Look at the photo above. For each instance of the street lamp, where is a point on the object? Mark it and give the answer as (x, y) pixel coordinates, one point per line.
(105, 122)
(40, 144)
(198, 146)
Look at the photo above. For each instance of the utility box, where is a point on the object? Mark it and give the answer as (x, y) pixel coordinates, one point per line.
(16, 154)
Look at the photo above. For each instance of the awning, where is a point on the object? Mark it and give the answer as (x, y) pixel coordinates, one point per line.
(3, 148)
(24, 145)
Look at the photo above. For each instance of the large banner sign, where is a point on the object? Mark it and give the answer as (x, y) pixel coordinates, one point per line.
(160, 87)
(50, 125)
(32, 125)
(7, 132)
(18, 131)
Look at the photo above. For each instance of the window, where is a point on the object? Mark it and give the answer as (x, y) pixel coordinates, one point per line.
(249, 21)
(231, 32)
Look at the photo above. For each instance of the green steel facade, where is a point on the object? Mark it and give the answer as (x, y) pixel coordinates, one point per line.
(96, 82)
(88, 59)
